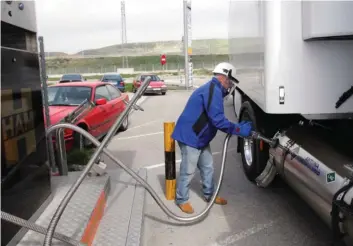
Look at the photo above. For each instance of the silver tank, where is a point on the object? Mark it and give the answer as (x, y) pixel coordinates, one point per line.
(316, 170)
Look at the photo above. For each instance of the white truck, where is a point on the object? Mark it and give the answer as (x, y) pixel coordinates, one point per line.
(294, 61)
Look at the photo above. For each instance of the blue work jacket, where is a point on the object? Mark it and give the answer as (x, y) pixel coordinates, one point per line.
(202, 116)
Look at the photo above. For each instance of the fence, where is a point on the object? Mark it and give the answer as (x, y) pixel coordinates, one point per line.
(137, 68)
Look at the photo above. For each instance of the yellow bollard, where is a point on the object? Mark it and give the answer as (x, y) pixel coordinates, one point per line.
(169, 155)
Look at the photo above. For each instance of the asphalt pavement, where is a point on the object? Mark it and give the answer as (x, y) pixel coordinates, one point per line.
(253, 216)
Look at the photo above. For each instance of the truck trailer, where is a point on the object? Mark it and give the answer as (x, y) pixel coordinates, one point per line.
(294, 61)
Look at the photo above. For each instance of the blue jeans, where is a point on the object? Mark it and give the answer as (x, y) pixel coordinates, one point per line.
(190, 159)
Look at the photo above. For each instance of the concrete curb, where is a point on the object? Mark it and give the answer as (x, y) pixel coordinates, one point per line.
(135, 231)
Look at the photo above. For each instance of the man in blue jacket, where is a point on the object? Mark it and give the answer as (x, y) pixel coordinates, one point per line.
(196, 127)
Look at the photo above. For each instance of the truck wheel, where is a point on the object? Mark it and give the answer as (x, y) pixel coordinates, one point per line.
(254, 154)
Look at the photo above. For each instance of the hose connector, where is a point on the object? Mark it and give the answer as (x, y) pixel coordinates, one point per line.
(270, 141)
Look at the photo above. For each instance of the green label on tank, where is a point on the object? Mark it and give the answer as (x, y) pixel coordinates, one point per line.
(330, 177)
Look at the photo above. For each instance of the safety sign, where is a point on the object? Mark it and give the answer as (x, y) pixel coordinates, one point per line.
(330, 177)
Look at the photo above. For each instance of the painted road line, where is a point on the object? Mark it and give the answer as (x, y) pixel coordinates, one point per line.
(231, 240)
(145, 124)
(178, 161)
(139, 102)
(141, 99)
(160, 165)
(139, 136)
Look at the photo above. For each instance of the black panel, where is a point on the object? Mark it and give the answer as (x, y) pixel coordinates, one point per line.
(170, 165)
(13, 36)
(331, 38)
(25, 176)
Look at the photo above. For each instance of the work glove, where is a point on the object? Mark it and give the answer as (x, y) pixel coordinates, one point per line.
(243, 129)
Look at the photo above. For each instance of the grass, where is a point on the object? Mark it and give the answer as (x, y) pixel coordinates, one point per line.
(79, 157)
(136, 62)
(201, 46)
(146, 56)
(172, 47)
(128, 87)
(131, 75)
(128, 76)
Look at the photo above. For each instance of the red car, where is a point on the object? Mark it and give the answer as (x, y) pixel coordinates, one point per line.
(108, 105)
(156, 85)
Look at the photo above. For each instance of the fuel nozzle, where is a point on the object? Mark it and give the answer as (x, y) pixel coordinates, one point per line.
(270, 141)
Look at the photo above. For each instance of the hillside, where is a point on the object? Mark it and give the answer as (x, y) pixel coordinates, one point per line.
(200, 47)
(139, 63)
(146, 56)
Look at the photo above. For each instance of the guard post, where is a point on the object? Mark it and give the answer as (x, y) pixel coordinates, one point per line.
(169, 155)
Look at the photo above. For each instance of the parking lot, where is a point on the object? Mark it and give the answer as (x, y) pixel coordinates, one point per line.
(253, 216)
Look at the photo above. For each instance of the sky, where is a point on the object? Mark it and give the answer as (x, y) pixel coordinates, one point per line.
(74, 25)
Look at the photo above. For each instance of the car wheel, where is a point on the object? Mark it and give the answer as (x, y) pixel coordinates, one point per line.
(124, 126)
(80, 141)
(253, 153)
(163, 93)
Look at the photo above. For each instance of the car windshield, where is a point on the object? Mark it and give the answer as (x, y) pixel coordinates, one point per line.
(113, 77)
(153, 77)
(71, 77)
(68, 95)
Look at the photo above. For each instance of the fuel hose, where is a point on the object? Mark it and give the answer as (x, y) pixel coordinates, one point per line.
(101, 149)
(151, 191)
(37, 228)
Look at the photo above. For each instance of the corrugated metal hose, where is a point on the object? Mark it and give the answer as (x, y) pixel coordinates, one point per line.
(49, 233)
(37, 228)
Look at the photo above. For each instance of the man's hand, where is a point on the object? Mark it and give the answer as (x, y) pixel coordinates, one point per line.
(243, 129)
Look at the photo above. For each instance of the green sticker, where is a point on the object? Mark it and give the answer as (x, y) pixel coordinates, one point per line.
(330, 177)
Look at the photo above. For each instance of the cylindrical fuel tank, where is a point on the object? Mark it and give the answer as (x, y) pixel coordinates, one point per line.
(315, 167)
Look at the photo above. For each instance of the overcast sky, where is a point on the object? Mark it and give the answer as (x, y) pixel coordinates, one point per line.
(73, 25)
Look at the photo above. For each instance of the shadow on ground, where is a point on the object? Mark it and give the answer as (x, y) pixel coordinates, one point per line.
(252, 217)
(272, 216)
(195, 184)
(267, 215)
(125, 156)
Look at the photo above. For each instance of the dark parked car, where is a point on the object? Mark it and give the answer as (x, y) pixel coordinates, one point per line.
(114, 79)
(71, 77)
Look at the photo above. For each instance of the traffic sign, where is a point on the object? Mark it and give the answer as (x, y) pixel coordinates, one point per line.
(163, 59)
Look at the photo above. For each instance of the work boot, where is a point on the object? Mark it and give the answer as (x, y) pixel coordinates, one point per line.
(186, 208)
(219, 200)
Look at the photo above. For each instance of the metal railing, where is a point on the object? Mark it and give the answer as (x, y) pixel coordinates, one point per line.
(43, 78)
(72, 118)
(50, 233)
(58, 213)
(170, 67)
(101, 149)
(75, 116)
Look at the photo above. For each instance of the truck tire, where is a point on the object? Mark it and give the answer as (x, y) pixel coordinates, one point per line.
(254, 154)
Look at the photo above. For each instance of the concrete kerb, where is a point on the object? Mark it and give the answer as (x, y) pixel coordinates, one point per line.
(135, 231)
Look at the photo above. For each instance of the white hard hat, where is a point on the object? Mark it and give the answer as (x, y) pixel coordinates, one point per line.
(226, 69)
